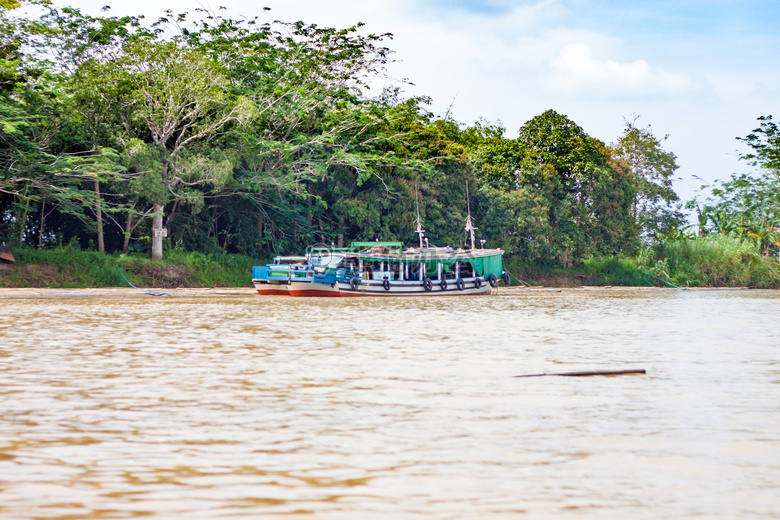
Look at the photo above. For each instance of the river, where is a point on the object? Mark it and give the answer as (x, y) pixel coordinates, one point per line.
(391, 408)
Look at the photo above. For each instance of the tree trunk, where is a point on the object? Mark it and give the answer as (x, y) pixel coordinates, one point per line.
(127, 232)
(99, 215)
(260, 234)
(157, 232)
(22, 222)
(40, 228)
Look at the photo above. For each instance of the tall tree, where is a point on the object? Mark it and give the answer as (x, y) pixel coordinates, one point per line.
(178, 98)
(313, 121)
(652, 169)
(590, 198)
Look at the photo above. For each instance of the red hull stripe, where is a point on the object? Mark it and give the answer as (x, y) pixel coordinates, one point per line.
(315, 292)
(345, 293)
(273, 292)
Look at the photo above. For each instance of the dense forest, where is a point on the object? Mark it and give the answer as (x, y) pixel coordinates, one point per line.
(197, 132)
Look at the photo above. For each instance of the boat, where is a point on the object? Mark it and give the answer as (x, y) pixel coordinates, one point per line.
(385, 269)
(6, 254)
(276, 278)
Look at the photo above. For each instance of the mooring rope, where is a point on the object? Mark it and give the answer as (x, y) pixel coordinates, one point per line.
(660, 280)
(150, 291)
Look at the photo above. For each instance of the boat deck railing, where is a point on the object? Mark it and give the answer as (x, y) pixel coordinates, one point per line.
(330, 275)
(282, 273)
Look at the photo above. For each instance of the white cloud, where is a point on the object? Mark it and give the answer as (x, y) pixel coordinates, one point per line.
(732, 87)
(577, 71)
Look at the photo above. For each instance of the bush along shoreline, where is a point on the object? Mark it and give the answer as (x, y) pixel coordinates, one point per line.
(68, 267)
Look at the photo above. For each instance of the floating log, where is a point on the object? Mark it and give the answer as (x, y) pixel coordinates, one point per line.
(592, 373)
(5, 254)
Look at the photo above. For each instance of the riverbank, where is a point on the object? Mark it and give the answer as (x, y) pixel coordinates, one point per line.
(70, 268)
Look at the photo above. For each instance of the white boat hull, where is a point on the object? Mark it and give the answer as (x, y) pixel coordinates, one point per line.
(266, 288)
(377, 288)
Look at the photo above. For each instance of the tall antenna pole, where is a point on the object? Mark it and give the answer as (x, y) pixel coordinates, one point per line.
(469, 224)
(420, 231)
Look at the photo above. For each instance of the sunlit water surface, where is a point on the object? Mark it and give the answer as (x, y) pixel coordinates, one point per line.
(242, 407)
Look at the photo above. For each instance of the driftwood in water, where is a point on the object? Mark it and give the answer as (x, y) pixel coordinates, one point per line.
(592, 373)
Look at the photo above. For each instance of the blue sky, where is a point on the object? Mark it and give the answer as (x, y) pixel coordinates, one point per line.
(701, 71)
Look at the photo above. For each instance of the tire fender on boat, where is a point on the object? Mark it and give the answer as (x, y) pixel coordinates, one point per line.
(427, 284)
(459, 284)
(478, 282)
(443, 285)
(353, 283)
(386, 284)
(492, 280)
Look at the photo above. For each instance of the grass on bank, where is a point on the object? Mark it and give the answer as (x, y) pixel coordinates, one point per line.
(716, 261)
(70, 267)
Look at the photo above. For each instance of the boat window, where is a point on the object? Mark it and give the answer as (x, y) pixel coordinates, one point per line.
(466, 270)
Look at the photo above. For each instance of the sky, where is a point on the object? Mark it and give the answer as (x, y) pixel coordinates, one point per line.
(701, 71)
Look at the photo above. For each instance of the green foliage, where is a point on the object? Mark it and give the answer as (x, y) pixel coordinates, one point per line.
(559, 196)
(63, 267)
(614, 270)
(215, 269)
(515, 221)
(748, 205)
(651, 169)
(765, 142)
(70, 267)
(717, 261)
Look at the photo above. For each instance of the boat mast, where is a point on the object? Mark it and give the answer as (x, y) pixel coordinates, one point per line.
(469, 224)
(420, 231)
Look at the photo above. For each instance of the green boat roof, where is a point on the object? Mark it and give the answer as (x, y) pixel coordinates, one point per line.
(484, 261)
(357, 246)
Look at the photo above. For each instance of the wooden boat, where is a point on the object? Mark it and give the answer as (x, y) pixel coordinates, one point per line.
(6, 254)
(276, 278)
(385, 269)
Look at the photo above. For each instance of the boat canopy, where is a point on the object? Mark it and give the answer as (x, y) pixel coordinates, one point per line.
(484, 264)
(362, 246)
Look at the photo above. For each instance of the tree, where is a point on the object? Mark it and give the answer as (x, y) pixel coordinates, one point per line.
(178, 98)
(516, 221)
(651, 169)
(29, 119)
(53, 153)
(313, 123)
(749, 204)
(765, 142)
(589, 196)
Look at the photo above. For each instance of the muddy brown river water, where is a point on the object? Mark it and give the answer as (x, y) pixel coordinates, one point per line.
(272, 407)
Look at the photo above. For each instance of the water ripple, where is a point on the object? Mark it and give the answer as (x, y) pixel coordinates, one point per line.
(390, 408)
